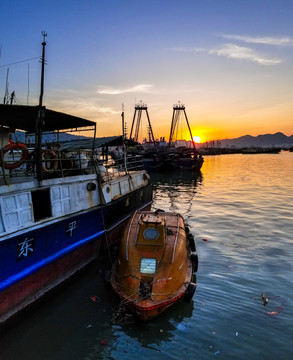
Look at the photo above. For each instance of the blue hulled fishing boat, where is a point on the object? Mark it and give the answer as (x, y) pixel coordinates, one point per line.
(60, 201)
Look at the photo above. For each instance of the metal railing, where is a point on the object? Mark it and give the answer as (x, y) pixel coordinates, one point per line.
(57, 164)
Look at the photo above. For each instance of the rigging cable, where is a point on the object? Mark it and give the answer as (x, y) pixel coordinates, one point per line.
(18, 62)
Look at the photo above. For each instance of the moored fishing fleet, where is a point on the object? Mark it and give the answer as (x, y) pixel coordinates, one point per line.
(159, 155)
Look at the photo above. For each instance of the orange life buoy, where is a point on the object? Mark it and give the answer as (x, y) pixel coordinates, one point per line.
(49, 160)
(15, 146)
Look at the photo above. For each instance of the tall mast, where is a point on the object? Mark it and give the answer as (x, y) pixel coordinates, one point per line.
(123, 139)
(177, 109)
(43, 68)
(138, 109)
(40, 117)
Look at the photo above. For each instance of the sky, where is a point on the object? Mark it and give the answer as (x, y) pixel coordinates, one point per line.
(229, 62)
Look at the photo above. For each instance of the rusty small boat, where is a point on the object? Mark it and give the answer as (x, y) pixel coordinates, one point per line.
(156, 264)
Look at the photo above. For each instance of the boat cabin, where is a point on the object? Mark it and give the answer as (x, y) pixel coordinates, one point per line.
(150, 243)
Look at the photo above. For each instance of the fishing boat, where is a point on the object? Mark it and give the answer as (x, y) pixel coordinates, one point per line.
(156, 264)
(60, 201)
(160, 155)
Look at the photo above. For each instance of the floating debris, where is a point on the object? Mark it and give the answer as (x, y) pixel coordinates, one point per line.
(265, 299)
(122, 316)
(95, 299)
(272, 312)
(103, 342)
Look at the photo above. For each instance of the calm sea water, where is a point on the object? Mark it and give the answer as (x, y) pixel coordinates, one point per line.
(240, 211)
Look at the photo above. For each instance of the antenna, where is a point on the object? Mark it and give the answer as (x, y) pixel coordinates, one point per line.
(44, 36)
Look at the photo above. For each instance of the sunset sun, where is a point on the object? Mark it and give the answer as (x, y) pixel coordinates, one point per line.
(196, 139)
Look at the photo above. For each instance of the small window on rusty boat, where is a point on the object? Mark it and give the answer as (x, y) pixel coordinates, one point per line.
(147, 265)
(151, 234)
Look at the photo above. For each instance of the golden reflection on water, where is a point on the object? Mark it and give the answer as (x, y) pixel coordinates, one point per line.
(240, 211)
(235, 180)
(242, 206)
(236, 200)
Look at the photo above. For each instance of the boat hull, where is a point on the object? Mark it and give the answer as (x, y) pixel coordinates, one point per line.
(147, 310)
(57, 250)
(184, 164)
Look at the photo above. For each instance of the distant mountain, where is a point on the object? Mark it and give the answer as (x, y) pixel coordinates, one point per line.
(268, 140)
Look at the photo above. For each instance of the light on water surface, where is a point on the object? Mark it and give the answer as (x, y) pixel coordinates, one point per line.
(239, 209)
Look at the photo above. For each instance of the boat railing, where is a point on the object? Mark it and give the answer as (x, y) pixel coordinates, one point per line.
(58, 164)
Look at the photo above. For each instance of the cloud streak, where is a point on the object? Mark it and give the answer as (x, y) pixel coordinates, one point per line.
(186, 49)
(277, 41)
(232, 51)
(141, 88)
(85, 107)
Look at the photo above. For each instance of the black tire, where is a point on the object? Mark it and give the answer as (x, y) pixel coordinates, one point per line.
(189, 292)
(191, 242)
(194, 260)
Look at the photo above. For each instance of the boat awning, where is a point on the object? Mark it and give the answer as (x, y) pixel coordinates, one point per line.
(74, 145)
(78, 144)
(23, 117)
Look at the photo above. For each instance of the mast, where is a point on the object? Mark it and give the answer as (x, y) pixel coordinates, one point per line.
(177, 109)
(138, 109)
(43, 69)
(123, 139)
(123, 126)
(41, 116)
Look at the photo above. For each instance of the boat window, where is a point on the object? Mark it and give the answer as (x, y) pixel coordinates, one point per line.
(147, 265)
(151, 234)
(41, 204)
